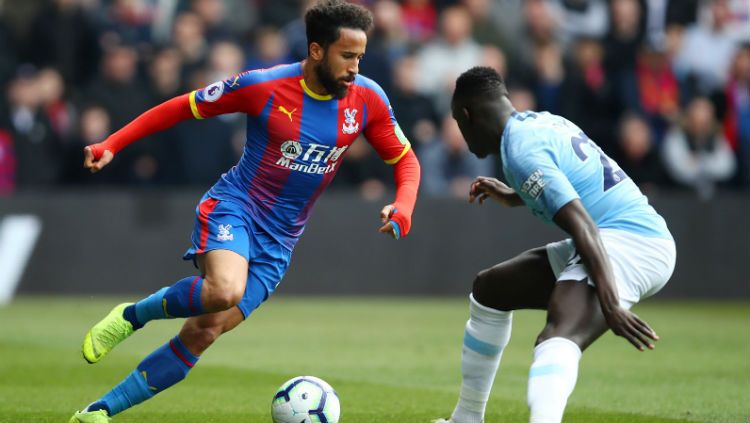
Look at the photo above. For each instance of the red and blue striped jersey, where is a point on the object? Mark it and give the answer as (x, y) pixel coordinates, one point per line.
(295, 141)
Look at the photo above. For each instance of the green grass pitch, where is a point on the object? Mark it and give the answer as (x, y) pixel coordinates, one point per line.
(390, 359)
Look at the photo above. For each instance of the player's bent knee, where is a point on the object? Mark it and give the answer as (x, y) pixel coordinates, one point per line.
(480, 287)
(223, 292)
(223, 300)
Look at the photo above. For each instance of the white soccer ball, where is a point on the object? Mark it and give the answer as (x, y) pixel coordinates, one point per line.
(305, 399)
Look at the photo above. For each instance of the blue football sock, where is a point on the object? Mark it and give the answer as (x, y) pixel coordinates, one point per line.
(163, 368)
(183, 299)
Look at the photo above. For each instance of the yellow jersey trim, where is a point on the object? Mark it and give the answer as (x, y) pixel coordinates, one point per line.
(400, 156)
(194, 106)
(312, 94)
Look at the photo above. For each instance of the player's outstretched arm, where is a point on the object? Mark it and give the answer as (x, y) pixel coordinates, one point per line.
(159, 118)
(484, 187)
(575, 220)
(396, 217)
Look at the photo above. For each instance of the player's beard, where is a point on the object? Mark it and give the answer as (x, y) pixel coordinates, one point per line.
(329, 81)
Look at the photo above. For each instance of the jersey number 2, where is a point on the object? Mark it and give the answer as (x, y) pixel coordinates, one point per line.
(612, 177)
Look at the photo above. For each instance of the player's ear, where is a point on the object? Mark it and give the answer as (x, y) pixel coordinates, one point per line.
(316, 51)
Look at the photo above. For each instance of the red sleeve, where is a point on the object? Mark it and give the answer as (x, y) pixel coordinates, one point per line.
(159, 118)
(384, 134)
(382, 130)
(241, 93)
(246, 93)
(407, 175)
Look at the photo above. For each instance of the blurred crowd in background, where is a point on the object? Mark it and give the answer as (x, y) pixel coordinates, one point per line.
(663, 86)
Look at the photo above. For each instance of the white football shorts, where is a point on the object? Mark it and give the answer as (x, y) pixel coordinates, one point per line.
(642, 265)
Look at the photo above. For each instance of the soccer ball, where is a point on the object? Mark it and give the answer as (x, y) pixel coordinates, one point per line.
(305, 399)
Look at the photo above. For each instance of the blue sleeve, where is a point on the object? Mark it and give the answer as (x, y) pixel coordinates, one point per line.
(541, 182)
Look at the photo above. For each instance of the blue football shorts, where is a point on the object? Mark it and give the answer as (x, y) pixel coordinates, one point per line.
(225, 225)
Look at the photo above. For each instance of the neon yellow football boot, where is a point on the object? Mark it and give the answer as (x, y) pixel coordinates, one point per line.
(98, 416)
(106, 334)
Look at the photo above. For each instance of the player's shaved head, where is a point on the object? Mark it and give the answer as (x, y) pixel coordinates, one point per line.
(481, 107)
(324, 21)
(479, 82)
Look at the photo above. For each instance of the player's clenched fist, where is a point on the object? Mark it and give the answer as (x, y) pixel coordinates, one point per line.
(95, 159)
(388, 225)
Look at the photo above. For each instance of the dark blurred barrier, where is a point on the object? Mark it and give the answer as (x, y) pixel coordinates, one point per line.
(95, 243)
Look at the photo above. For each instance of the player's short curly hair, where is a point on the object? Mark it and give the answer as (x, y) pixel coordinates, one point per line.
(324, 20)
(478, 82)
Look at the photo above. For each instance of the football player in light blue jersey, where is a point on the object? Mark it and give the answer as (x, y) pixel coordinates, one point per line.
(619, 251)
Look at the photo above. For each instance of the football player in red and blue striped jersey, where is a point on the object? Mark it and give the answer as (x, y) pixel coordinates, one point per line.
(302, 119)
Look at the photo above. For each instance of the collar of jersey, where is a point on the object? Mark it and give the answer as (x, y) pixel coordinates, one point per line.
(312, 94)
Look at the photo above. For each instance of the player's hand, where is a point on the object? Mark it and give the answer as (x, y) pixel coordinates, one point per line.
(625, 323)
(92, 163)
(385, 219)
(484, 187)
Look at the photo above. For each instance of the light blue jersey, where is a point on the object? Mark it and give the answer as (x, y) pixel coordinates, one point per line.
(549, 162)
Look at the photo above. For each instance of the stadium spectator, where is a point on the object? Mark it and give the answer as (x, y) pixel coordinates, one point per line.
(64, 38)
(494, 58)
(165, 76)
(546, 76)
(658, 91)
(702, 63)
(94, 126)
(737, 118)
(294, 31)
(437, 75)
(485, 30)
(270, 49)
(590, 97)
(130, 21)
(213, 14)
(117, 88)
(696, 154)
(121, 93)
(540, 28)
(447, 165)
(189, 38)
(662, 14)
(420, 19)
(389, 32)
(626, 33)
(59, 111)
(416, 114)
(636, 153)
(226, 57)
(35, 145)
(581, 18)
(387, 42)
